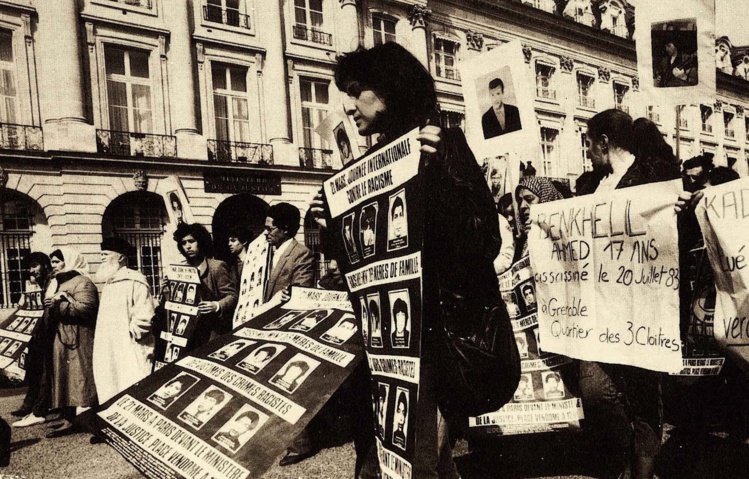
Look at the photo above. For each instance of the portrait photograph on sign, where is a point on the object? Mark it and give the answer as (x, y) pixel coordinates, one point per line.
(553, 386)
(309, 321)
(343, 143)
(400, 317)
(348, 238)
(172, 390)
(397, 221)
(522, 343)
(674, 53)
(528, 297)
(294, 372)
(381, 407)
(240, 428)
(495, 172)
(181, 326)
(375, 320)
(342, 331)
(364, 320)
(230, 350)
(368, 228)
(400, 419)
(524, 392)
(496, 95)
(207, 405)
(283, 320)
(260, 357)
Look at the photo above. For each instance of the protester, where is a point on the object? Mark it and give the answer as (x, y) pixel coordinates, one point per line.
(123, 348)
(623, 407)
(719, 175)
(38, 358)
(293, 263)
(696, 171)
(531, 190)
(239, 238)
(503, 261)
(390, 93)
(73, 302)
(218, 292)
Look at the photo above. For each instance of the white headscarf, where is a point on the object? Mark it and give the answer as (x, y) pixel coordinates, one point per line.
(74, 261)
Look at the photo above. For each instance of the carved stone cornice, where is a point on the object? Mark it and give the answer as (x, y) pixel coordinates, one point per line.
(567, 64)
(475, 40)
(604, 74)
(527, 53)
(418, 16)
(636, 84)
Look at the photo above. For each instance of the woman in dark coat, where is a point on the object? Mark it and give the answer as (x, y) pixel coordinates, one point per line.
(72, 310)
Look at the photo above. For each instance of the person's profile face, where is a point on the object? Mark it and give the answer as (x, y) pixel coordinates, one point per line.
(273, 234)
(670, 49)
(596, 154)
(241, 426)
(695, 176)
(37, 271)
(366, 107)
(58, 265)
(527, 198)
(400, 322)
(497, 96)
(235, 246)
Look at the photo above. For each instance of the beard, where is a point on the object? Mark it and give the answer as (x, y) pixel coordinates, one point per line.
(107, 271)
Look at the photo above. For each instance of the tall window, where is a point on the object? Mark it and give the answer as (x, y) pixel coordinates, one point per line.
(587, 164)
(128, 90)
(445, 54)
(17, 215)
(230, 103)
(228, 12)
(653, 114)
(8, 93)
(451, 119)
(707, 118)
(620, 96)
(383, 30)
(728, 122)
(549, 150)
(584, 90)
(544, 78)
(314, 110)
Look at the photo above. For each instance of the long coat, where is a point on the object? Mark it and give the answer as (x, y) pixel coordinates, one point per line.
(73, 349)
(123, 347)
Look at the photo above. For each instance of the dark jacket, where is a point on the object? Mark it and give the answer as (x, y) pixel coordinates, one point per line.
(491, 126)
(640, 173)
(294, 268)
(217, 284)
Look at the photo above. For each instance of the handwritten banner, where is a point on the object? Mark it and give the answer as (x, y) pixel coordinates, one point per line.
(724, 218)
(607, 272)
(376, 208)
(229, 408)
(15, 334)
(542, 402)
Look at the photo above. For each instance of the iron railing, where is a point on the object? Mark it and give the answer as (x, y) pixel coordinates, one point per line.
(730, 133)
(548, 93)
(126, 143)
(21, 137)
(14, 249)
(316, 158)
(226, 15)
(303, 32)
(448, 73)
(240, 152)
(683, 123)
(586, 101)
(707, 128)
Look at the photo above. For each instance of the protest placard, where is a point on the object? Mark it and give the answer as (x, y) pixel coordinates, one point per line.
(376, 205)
(606, 268)
(230, 408)
(15, 333)
(182, 317)
(253, 281)
(724, 218)
(542, 402)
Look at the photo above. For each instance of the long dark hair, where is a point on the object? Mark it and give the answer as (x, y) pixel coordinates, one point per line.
(397, 77)
(201, 235)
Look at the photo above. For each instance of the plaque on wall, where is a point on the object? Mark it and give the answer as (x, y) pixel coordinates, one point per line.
(234, 183)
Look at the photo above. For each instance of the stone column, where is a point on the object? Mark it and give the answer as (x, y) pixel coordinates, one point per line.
(276, 107)
(348, 27)
(61, 79)
(182, 70)
(419, 16)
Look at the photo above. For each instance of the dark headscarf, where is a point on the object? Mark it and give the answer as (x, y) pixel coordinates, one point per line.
(541, 187)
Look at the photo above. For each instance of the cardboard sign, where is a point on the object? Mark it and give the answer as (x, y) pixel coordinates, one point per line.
(724, 218)
(255, 272)
(606, 268)
(181, 314)
(15, 333)
(376, 205)
(231, 407)
(542, 402)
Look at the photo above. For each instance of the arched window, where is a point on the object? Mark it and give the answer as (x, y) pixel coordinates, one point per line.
(139, 218)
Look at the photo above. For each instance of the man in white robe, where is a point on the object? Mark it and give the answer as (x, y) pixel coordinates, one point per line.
(124, 342)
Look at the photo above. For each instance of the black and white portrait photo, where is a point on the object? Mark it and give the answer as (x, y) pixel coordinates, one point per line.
(202, 409)
(230, 349)
(172, 390)
(400, 317)
(674, 50)
(349, 241)
(553, 386)
(397, 222)
(240, 428)
(342, 331)
(310, 320)
(368, 229)
(524, 392)
(259, 358)
(343, 143)
(283, 320)
(294, 373)
(496, 93)
(400, 419)
(375, 319)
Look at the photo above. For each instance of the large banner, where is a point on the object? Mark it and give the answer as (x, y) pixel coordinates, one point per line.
(231, 407)
(607, 271)
(181, 314)
(676, 51)
(376, 204)
(15, 333)
(724, 218)
(542, 402)
(255, 272)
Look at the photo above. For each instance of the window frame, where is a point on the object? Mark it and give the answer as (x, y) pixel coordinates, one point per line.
(129, 82)
(382, 17)
(554, 153)
(436, 56)
(320, 143)
(550, 89)
(230, 94)
(590, 100)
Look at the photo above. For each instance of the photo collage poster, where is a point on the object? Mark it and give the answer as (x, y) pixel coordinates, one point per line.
(723, 215)
(229, 408)
(257, 264)
(340, 133)
(542, 402)
(675, 43)
(376, 205)
(499, 98)
(15, 333)
(181, 314)
(178, 210)
(701, 352)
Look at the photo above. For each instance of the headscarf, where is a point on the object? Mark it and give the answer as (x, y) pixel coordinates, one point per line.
(539, 186)
(74, 261)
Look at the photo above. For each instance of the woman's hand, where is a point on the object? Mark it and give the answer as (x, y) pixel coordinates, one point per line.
(317, 209)
(687, 201)
(286, 295)
(430, 138)
(208, 307)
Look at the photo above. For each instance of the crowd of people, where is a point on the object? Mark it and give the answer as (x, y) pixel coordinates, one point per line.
(87, 347)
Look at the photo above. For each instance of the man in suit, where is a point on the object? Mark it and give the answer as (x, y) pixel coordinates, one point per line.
(500, 118)
(293, 263)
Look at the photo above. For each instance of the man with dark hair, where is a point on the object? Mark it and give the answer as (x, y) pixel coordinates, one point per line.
(400, 336)
(720, 175)
(293, 263)
(696, 170)
(238, 238)
(38, 360)
(244, 423)
(401, 418)
(676, 68)
(501, 118)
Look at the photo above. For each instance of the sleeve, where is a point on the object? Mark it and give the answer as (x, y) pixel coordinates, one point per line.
(142, 311)
(304, 270)
(82, 302)
(227, 289)
(507, 251)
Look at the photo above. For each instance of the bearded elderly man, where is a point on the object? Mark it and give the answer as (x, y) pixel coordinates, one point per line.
(124, 342)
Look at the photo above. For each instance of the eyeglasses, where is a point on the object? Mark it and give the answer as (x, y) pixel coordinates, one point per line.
(268, 229)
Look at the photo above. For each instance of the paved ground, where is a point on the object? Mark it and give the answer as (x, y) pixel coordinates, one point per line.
(557, 457)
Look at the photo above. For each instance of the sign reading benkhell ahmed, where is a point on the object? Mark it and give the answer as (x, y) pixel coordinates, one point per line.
(376, 208)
